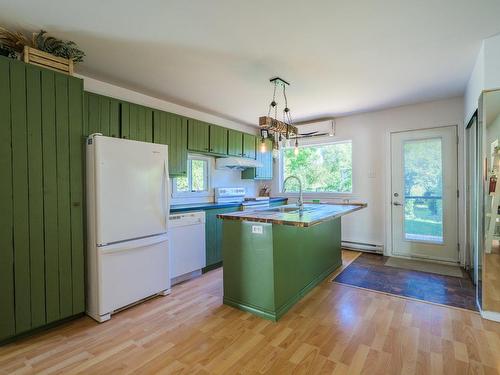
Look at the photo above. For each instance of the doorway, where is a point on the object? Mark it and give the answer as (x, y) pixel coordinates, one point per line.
(424, 195)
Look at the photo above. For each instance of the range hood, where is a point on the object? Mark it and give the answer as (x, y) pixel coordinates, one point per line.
(238, 164)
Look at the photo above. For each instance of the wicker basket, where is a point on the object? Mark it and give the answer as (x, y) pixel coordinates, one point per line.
(46, 60)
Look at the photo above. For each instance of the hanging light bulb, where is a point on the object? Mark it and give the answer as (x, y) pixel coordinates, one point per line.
(296, 149)
(262, 145)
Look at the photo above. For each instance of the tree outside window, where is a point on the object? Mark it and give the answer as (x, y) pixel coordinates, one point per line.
(196, 179)
(321, 168)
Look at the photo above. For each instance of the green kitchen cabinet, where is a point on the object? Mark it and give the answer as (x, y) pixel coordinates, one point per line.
(234, 143)
(42, 238)
(266, 171)
(249, 146)
(171, 130)
(198, 136)
(218, 140)
(136, 122)
(101, 114)
(213, 236)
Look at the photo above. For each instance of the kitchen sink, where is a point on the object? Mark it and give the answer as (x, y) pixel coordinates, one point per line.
(285, 210)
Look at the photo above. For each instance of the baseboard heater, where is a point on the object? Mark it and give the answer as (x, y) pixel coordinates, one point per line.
(362, 246)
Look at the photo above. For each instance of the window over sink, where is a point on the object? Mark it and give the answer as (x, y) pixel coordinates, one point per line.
(196, 181)
(322, 168)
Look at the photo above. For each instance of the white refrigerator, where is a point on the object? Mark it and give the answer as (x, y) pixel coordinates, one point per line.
(127, 214)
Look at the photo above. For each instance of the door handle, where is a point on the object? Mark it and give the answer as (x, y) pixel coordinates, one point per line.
(396, 204)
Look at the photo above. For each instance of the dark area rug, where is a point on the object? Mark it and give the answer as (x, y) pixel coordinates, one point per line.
(368, 271)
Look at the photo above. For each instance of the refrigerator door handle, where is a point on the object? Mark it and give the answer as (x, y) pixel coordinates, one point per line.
(166, 193)
(132, 244)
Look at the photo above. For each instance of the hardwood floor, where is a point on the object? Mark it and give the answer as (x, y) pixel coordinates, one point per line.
(335, 329)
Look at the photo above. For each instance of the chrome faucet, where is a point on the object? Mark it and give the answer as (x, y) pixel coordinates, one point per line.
(300, 201)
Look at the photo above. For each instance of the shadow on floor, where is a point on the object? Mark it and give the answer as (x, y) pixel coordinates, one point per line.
(368, 271)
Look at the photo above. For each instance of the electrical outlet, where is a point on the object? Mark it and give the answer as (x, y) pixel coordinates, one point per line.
(257, 229)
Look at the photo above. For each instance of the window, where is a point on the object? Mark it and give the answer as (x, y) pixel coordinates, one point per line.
(325, 168)
(196, 180)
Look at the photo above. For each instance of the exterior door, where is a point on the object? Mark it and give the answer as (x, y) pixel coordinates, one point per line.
(424, 194)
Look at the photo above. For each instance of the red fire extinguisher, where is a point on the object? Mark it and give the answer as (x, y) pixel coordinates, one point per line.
(493, 184)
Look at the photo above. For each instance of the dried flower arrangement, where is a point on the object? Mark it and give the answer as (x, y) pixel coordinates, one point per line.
(14, 42)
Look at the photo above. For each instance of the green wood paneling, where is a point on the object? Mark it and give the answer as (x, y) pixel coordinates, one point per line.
(171, 130)
(104, 115)
(35, 187)
(141, 124)
(7, 312)
(94, 114)
(63, 196)
(133, 114)
(218, 140)
(124, 120)
(101, 114)
(20, 196)
(269, 281)
(198, 136)
(249, 143)
(234, 143)
(50, 194)
(76, 153)
(114, 118)
(148, 124)
(41, 227)
(213, 234)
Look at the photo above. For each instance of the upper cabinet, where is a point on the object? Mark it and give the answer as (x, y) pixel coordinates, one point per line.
(249, 145)
(206, 138)
(266, 171)
(171, 129)
(218, 140)
(136, 122)
(198, 136)
(101, 115)
(234, 143)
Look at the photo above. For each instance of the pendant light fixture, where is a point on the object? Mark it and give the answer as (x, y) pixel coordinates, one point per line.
(275, 129)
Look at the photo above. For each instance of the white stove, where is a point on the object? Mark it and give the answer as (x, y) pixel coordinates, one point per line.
(229, 194)
(237, 195)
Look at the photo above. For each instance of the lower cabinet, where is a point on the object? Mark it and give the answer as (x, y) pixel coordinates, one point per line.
(213, 235)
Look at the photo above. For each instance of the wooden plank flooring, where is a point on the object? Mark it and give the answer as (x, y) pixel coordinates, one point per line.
(335, 329)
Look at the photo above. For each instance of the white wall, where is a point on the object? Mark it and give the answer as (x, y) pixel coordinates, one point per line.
(492, 62)
(369, 133)
(219, 178)
(474, 86)
(485, 74)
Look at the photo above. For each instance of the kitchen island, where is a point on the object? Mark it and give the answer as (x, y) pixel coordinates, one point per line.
(273, 257)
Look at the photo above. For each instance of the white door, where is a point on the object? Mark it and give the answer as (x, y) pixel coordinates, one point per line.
(424, 194)
(131, 182)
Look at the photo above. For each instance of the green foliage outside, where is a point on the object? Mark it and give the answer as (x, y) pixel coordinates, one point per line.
(196, 179)
(423, 178)
(323, 168)
(198, 175)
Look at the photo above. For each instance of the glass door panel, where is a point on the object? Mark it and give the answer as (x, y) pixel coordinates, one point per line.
(423, 190)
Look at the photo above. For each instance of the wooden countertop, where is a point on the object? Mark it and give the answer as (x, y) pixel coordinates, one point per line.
(313, 214)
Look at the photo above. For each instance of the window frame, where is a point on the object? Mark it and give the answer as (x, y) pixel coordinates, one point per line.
(202, 193)
(322, 194)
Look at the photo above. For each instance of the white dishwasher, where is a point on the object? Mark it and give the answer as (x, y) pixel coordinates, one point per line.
(187, 245)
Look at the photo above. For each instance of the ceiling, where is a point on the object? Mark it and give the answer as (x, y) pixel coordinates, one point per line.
(341, 56)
